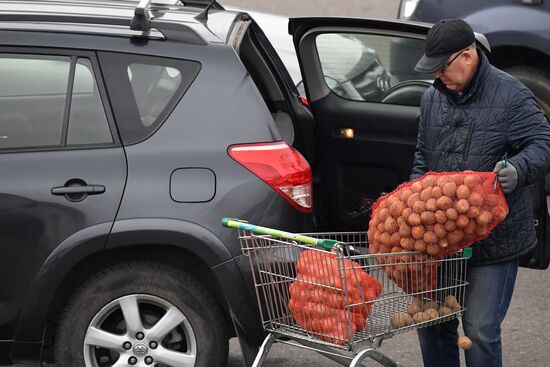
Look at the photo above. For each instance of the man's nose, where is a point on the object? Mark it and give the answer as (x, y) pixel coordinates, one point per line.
(437, 73)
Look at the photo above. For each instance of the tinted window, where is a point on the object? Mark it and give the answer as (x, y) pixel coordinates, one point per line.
(33, 94)
(144, 90)
(373, 68)
(33, 102)
(87, 122)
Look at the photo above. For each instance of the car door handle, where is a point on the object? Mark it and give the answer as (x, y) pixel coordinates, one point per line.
(87, 189)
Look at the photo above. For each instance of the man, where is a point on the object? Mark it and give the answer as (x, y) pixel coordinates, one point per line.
(471, 116)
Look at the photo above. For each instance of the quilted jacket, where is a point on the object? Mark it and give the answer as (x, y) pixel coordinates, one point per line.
(496, 114)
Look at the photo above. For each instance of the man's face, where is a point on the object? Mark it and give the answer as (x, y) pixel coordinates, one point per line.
(458, 70)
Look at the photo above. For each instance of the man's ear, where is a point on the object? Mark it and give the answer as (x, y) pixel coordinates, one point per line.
(470, 56)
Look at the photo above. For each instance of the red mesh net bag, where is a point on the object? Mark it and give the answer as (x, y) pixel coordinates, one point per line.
(436, 214)
(319, 303)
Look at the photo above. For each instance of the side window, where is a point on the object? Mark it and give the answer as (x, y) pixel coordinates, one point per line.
(373, 68)
(153, 86)
(145, 90)
(87, 120)
(33, 95)
(33, 102)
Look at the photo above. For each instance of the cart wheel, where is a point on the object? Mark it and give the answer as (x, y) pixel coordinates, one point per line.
(141, 314)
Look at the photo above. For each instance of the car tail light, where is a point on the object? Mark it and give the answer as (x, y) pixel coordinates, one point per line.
(282, 167)
(304, 100)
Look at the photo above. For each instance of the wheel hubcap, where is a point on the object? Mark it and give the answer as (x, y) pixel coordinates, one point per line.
(140, 330)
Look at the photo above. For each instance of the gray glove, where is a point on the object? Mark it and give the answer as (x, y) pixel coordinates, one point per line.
(507, 176)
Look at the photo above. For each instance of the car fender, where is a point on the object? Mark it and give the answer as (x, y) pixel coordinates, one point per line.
(94, 239)
(32, 319)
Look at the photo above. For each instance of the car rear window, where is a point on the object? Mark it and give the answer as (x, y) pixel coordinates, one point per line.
(144, 90)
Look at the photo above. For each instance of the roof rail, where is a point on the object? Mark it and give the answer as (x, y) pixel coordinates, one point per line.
(171, 30)
(203, 15)
(201, 4)
(142, 19)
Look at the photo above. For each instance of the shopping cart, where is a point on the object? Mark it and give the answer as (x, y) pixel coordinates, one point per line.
(412, 290)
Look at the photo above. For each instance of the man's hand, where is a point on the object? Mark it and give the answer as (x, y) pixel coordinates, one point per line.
(507, 176)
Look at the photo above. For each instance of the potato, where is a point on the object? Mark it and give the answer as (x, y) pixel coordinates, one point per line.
(406, 213)
(452, 214)
(412, 199)
(455, 237)
(426, 194)
(437, 192)
(405, 230)
(429, 181)
(462, 206)
(405, 194)
(414, 219)
(416, 186)
(440, 216)
(445, 311)
(420, 245)
(421, 317)
(444, 202)
(463, 192)
(449, 189)
(383, 214)
(414, 309)
(471, 180)
(429, 237)
(395, 239)
(385, 238)
(440, 231)
(450, 301)
(433, 249)
(462, 221)
(431, 304)
(401, 320)
(396, 209)
(443, 243)
(470, 228)
(419, 206)
(450, 226)
(473, 212)
(418, 232)
(432, 313)
(475, 199)
(484, 218)
(417, 301)
(464, 342)
(427, 217)
(390, 225)
(431, 205)
(407, 243)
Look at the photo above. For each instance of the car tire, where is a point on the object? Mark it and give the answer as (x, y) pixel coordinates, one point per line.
(101, 324)
(537, 80)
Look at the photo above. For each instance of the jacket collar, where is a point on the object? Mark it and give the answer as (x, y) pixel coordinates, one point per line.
(472, 88)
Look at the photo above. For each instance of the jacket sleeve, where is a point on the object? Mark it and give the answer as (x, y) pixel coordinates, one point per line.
(420, 166)
(528, 133)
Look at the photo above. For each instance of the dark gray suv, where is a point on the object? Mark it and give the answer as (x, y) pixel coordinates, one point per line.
(128, 130)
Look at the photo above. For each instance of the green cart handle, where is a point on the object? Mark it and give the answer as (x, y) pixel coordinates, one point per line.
(237, 223)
